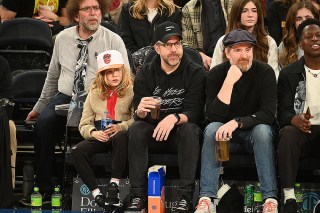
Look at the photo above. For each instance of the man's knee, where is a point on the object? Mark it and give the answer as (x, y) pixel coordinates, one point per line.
(263, 132)
(139, 128)
(211, 129)
(287, 137)
(189, 128)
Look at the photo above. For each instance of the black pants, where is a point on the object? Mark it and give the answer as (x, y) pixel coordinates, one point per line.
(183, 139)
(49, 130)
(83, 151)
(293, 146)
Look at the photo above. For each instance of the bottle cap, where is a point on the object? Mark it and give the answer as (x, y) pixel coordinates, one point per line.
(56, 189)
(297, 184)
(36, 189)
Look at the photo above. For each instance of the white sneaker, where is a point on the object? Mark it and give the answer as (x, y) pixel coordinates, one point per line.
(205, 206)
(270, 206)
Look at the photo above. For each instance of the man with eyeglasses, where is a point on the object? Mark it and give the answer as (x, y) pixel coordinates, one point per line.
(72, 69)
(180, 84)
(299, 111)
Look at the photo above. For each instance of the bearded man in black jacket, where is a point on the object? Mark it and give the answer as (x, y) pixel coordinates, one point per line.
(180, 83)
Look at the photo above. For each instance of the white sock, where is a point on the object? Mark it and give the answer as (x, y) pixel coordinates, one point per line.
(288, 194)
(271, 199)
(115, 180)
(96, 192)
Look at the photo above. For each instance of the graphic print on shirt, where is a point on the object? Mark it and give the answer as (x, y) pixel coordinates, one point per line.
(172, 99)
(300, 98)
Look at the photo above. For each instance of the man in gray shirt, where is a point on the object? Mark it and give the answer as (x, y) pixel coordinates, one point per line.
(62, 78)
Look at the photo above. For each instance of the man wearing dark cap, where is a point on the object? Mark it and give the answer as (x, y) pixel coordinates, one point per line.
(180, 84)
(298, 91)
(241, 106)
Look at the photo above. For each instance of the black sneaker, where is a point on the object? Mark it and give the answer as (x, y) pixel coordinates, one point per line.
(183, 205)
(100, 201)
(290, 206)
(137, 204)
(112, 195)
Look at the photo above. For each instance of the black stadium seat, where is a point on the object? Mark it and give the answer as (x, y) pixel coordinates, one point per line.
(26, 43)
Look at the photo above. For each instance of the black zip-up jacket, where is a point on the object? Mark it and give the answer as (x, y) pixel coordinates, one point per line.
(138, 33)
(288, 82)
(253, 99)
(182, 91)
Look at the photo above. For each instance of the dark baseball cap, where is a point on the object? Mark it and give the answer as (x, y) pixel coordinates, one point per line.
(238, 36)
(163, 32)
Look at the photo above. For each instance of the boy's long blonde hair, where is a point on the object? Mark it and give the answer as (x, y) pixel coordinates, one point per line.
(102, 86)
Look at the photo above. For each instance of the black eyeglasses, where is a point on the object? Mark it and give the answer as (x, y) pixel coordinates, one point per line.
(169, 46)
(89, 8)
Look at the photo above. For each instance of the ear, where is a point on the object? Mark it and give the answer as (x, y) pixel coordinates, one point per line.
(226, 51)
(157, 48)
(76, 18)
(300, 45)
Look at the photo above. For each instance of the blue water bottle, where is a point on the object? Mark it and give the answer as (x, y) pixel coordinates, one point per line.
(106, 120)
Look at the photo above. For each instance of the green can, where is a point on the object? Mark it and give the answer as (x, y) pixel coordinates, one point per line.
(248, 195)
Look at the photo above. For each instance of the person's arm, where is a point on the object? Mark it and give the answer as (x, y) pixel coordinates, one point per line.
(217, 57)
(124, 125)
(49, 17)
(6, 14)
(193, 103)
(50, 87)
(273, 56)
(266, 110)
(286, 95)
(125, 31)
(219, 89)
(190, 31)
(141, 94)
(86, 125)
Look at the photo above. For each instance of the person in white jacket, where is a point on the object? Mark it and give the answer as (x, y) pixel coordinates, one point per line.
(248, 15)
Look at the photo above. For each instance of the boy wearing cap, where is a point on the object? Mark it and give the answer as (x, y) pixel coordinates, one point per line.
(111, 92)
(180, 84)
(241, 106)
(298, 90)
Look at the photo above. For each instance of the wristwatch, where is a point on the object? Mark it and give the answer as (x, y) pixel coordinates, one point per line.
(239, 121)
(177, 117)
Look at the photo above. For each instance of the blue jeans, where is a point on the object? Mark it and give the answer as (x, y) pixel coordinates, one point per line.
(257, 141)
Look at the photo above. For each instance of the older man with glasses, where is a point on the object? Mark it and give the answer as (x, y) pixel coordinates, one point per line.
(72, 70)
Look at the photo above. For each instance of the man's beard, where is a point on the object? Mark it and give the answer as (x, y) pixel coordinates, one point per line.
(171, 63)
(90, 27)
(244, 67)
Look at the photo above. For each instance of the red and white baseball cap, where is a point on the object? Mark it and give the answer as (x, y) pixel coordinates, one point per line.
(109, 59)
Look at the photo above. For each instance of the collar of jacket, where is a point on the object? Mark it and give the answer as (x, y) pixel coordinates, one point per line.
(196, 3)
(299, 66)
